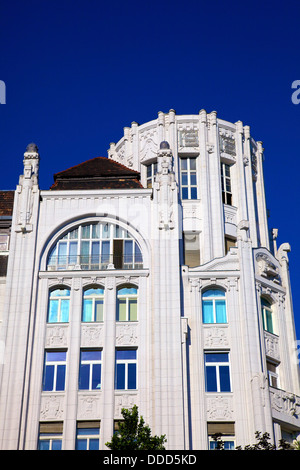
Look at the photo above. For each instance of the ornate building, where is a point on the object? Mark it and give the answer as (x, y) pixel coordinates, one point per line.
(148, 278)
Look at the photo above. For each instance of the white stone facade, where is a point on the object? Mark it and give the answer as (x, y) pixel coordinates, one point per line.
(180, 358)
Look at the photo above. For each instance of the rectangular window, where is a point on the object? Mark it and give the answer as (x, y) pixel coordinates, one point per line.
(272, 369)
(226, 184)
(54, 371)
(151, 172)
(59, 305)
(88, 435)
(229, 242)
(226, 433)
(188, 178)
(217, 372)
(126, 369)
(214, 306)
(90, 370)
(127, 304)
(50, 436)
(191, 249)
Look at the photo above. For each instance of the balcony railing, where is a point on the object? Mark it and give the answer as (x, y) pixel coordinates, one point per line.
(94, 263)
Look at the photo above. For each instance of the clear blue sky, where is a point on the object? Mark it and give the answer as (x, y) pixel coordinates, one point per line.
(77, 72)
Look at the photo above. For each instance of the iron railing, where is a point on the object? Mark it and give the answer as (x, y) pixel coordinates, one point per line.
(93, 262)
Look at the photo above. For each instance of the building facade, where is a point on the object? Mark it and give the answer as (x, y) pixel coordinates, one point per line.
(148, 277)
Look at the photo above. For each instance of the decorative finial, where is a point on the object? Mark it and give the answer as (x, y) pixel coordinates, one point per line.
(164, 145)
(32, 148)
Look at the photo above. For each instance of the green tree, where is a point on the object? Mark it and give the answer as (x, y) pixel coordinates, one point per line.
(134, 434)
(262, 443)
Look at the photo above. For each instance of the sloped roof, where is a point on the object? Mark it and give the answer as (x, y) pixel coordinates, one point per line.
(97, 173)
(6, 203)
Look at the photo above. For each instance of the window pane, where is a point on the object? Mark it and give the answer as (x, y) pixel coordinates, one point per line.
(193, 193)
(97, 291)
(213, 293)
(125, 354)
(269, 321)
(208, 314)
(184, 179)
(55, 356)
(128, 251)
(132, 310)
(84, 374)
(220, 311)
(120, 376)
(48, 378)
(96, 231)
(44, 444)
(131, 376)
(193, 179)
(211, 379)
(53, 311)
(224, 379)
(60, 379)
(56, 444)
(192, 163)
(229, 445)
(81, 444)
(96, 376)
(64, 310)
(74, 234)
(87, 314)
(95, 250)
(184, 164)
(105, 252)
(121, 310)
(85, 248)
(127, 290)
(138, 254)
(94, 444)
(185, 193)
(99, 310)
(73, 252)
(105, 231)
(85, 231)
(91, 355)
(216, 357)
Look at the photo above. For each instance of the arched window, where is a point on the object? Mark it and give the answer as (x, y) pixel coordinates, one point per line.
(267, 315)
(127, 303)
(214, 306)
(59, 305)
(95, 246)
(93, 299)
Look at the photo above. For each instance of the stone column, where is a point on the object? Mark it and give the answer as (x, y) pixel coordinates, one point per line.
(261, 200)
(217, 213)
(206, 249)
(167, 389)
(108, 363)
(19, 311)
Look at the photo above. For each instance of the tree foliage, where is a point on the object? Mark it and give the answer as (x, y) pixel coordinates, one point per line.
(262, 443)
(134, 434)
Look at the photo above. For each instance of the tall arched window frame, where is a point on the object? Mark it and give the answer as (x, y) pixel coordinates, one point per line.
(95, 246)
(127, 303)
(59, 305)
(93, 304)
(214, 306)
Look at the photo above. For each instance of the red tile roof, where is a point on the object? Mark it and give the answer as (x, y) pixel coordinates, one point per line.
(97, 173)
(6, 203)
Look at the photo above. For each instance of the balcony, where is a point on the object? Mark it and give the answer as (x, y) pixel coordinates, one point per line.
(94, 263)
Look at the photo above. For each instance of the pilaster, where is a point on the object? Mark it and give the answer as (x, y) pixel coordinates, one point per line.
(19, 309)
